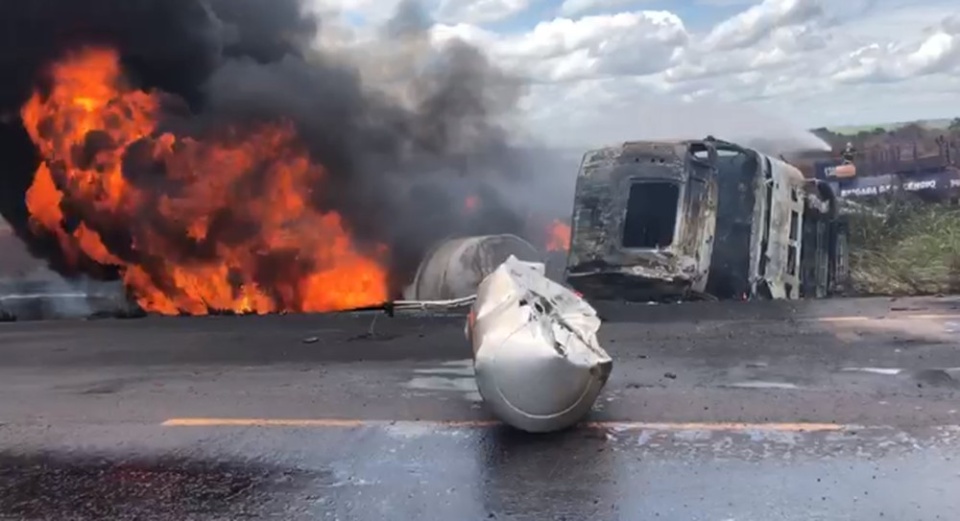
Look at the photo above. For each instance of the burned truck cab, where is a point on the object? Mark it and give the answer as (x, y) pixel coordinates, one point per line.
(643, 221)
(658, 220)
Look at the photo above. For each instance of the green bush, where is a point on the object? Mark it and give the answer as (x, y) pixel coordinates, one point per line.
(905, 247)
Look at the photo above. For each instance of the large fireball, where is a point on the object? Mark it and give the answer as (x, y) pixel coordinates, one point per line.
(236, 230)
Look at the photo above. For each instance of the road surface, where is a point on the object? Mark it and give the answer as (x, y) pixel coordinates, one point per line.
(844, 409)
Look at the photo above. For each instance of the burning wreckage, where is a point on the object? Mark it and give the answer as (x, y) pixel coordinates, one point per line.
(226, 176)
(651, 220)
(192, 153)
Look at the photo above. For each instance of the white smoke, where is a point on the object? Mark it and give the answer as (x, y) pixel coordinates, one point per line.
(43, 294)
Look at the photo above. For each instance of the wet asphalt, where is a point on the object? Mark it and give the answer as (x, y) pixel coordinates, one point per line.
(841, 410)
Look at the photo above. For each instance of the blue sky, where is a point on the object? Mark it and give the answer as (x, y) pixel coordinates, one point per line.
(697, 15)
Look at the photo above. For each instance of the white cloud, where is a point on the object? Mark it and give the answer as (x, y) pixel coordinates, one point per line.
(938, 52)
(579, 7)
(563, 49)
(606, 69)
(751, 26)
(479, 11)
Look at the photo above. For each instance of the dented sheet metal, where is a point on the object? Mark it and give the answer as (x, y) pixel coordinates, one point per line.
(599, 265)
(538, 364)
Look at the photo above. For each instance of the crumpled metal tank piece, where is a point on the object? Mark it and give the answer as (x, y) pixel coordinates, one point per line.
(538, 364)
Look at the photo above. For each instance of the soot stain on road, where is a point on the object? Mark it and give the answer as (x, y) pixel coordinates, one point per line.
(78, 488)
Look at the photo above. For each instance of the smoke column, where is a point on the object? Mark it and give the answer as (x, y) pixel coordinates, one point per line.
(397, 163)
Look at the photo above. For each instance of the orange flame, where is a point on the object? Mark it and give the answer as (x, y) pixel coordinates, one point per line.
(558, 238)
(308, 256)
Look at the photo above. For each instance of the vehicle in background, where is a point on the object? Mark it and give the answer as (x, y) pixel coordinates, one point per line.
(930, 172)
(666, 220)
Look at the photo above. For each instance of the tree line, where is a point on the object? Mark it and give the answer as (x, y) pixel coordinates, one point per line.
(912, 139)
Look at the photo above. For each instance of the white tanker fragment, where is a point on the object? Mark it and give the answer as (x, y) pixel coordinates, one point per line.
(454, 268)
(538, 364)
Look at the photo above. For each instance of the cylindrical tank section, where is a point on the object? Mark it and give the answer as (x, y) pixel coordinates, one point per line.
(455, 267)
(538, 363)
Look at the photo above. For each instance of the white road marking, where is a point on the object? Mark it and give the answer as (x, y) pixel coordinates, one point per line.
(763, 385)
(887, 371)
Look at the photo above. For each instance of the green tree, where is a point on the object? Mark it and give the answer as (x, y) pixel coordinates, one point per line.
(954, 125)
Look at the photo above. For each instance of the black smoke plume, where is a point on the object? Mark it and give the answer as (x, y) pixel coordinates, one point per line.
(399, 171)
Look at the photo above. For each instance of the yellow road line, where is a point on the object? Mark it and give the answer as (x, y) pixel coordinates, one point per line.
(318, 422)
(723, 426)
(354, 423)
(885, 317)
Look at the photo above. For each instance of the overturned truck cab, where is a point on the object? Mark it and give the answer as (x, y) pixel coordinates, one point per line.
(667, 220)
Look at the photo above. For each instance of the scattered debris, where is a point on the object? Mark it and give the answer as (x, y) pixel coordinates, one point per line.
(372, 334)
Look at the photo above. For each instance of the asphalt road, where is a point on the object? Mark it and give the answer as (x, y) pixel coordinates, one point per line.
(840, 410)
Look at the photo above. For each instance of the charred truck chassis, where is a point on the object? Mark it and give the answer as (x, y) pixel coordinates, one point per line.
(701, 219)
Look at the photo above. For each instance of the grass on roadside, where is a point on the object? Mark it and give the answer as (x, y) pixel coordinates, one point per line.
(905, 247)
